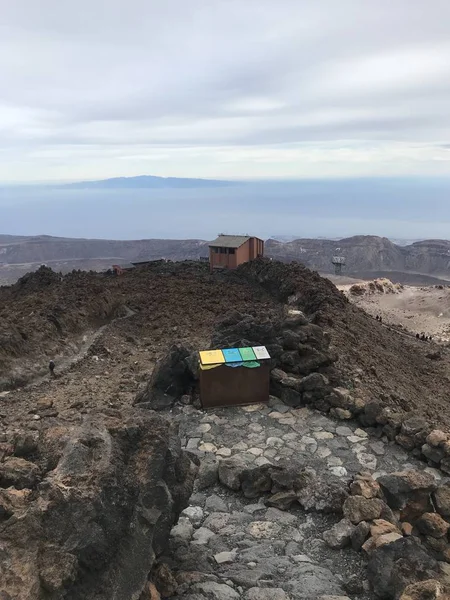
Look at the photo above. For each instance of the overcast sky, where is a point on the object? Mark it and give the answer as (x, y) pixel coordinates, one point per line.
(223, 88)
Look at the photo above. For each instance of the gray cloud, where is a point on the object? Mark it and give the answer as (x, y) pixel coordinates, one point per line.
(95, 89)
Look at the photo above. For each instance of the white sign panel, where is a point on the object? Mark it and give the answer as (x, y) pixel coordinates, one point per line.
(261, 352)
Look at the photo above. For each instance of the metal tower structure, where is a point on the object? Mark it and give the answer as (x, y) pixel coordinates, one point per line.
(338, 262)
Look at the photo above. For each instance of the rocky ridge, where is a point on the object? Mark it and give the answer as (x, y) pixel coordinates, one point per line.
(366, 254)
(336, 482)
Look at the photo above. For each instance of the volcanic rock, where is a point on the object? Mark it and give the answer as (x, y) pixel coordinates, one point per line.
(433, 453)
(171, 379)
(393, 566)
(432, 524)
(359, 535)
(407, 487)
(442, 499)
(358, 508)
(365, 486)
(436, 438)
(282, 500)
(230, 471)
(256, 481)
(19, 473)
(106, 509)
(423, 590)
(340, 534)
(382, 527)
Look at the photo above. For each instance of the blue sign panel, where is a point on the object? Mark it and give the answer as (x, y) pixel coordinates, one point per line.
(232, 355)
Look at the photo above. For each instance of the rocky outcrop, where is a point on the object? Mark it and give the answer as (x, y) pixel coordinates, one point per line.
(296, 345)
(300, 353)
(89, 517)
(172, 377)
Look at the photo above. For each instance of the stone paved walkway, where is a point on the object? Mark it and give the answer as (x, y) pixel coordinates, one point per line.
(268, 433)
(246, 550)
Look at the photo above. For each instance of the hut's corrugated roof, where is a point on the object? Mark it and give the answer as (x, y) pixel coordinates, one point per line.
(230, 241)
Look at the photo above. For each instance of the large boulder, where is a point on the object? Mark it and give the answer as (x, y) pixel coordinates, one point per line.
(394, 566)
(408, 491)
(172, 377)
(97, 521)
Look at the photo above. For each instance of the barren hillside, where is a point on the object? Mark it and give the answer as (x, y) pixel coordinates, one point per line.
(366, 256)
(43, 316)
(93, 484)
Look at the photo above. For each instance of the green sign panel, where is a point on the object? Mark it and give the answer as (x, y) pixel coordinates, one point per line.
(247, 354)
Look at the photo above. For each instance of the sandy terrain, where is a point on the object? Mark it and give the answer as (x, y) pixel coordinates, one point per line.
(417, 309)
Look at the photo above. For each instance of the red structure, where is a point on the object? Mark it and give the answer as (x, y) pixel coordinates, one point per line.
(230, 251)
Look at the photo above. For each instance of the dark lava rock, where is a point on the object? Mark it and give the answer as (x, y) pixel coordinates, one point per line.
(172, 377)
(407, 487)
(255, 481)
(18, 473)
(96, 522)
(394, 566)
(442, 499)
(371, 411)
(25, 444)
(360, 534)
(282, 500)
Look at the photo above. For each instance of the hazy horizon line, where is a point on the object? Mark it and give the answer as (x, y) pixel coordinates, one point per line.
(57, 182)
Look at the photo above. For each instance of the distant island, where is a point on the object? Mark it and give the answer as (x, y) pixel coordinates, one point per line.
(147, 181)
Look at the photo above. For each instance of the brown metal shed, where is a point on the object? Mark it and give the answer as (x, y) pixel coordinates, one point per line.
(230, 251)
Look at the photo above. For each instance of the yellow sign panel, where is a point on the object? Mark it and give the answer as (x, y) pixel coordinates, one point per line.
(211, 357)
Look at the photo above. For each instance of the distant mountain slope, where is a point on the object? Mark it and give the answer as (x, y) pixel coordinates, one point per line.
(46, 248)
(363, 254)
(366, 253)
(147, 181)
